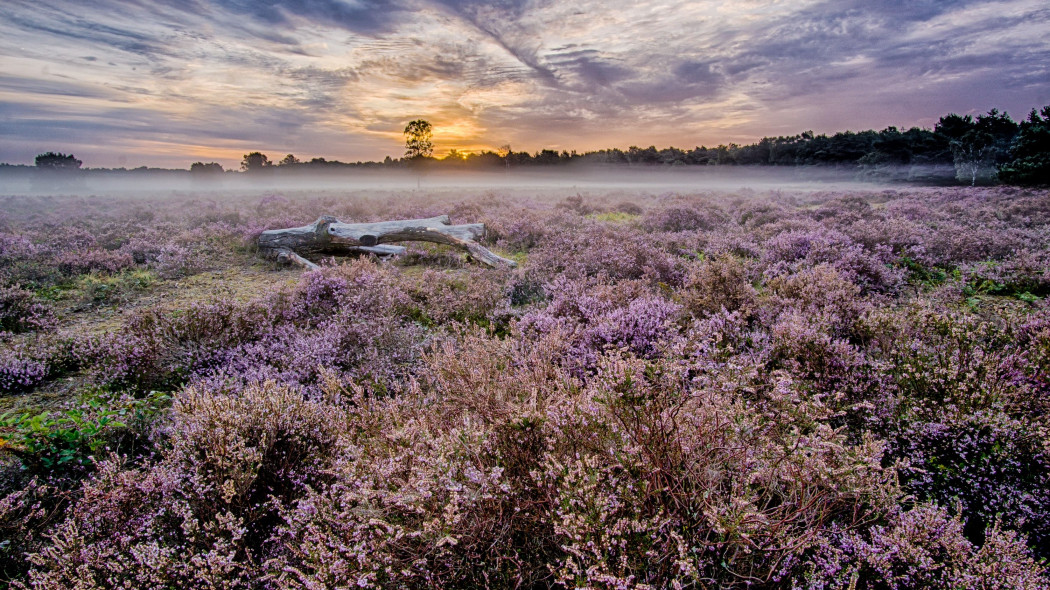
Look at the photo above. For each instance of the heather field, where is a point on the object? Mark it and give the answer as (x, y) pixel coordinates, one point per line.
(795, 389)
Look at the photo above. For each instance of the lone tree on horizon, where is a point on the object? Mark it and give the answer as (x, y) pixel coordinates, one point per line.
(255, 161)
(418, 135)
(56, 161)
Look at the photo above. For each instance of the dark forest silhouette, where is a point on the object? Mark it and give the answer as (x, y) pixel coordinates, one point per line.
(969, 150)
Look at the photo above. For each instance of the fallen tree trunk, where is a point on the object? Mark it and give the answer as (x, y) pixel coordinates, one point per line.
(328, 236)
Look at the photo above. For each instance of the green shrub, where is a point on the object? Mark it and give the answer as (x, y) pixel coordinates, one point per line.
(69, 439)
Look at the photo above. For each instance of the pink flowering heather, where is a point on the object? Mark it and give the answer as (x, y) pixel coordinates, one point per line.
(787, 390)
(20, 311)
(922, 548)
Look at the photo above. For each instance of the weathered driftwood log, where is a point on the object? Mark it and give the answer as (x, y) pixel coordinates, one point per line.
(328, 235)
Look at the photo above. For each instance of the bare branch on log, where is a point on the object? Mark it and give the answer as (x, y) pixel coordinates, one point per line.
(286, 256)
(328, 235)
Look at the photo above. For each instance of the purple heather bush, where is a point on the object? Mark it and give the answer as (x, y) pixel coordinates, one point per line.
(730, 243)
(520, 230)
(373, 351)
(362, 289)
(20, 370)
(945, 361)
(129, 359)
(594, 249)
(967, 421)
(26, 512)
(204, 513)
(806, 348)
(657, 485)
(957, 243)
(630, 208)
(723, 283)
(26, 263)
(678, 218)
(1028, 366)
(76, 262)
(411, 506)
(754, 214)
(15, 246)
(577, 204)
(921, 548)
(792, 251)
(821, 293)
(596, 318)
(844, 212)
(986, 466)
(20, 311)
(175, 261)
(1023, 275)
(476, 296)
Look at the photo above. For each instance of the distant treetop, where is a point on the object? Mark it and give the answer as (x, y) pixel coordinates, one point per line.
(255, 161)
(57, 161)
(1030, 152)
(209, 168)
(418, 136)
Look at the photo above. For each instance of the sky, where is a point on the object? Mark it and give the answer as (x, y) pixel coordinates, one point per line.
(139, 83)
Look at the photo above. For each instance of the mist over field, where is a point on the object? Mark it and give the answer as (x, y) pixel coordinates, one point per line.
(577, 177)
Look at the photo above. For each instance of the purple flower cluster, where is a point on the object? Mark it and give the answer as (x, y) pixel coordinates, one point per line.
(201, 515)
(76, 262)
(594, 249)
(921, 548)
(677, 218)
(20, 311)
(346, 320)
(789, 252)
(595, 320)
(20, 371)
(986, 465)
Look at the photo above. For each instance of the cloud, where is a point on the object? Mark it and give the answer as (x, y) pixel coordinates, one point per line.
(368, 17)
(340, 77)
(501, 22)
(54, 87)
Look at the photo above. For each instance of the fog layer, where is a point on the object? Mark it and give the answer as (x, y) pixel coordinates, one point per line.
(99, 182)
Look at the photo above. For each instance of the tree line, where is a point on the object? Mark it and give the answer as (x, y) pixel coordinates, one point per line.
(987, 148)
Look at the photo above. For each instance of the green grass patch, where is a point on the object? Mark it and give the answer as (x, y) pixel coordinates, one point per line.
(95, 289)
(614, 217)
(924, 275)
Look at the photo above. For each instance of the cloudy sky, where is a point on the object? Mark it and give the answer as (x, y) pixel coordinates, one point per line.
(131, 83)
